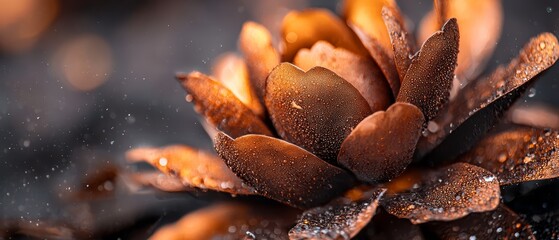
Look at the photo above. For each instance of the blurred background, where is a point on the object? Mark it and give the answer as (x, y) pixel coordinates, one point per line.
(81, 82)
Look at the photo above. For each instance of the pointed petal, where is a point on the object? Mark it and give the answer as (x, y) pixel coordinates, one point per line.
(301, 29)
(517, 155)
(483, 101)
(315, 110)
(429, 77)
(195, 168)
(364, 74)
(449, 193)
(366, 15)
(342, 218)
(231, 221)
(402, 43)
(282, 171)
(382, 145)
(231, 71)
(255, 41)
(220, 106)
(480, 24)
(502, 223)
(384, 60)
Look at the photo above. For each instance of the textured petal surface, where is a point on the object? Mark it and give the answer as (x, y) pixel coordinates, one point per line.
(480, 24)
(446, 194)
(402, 43)
(193, 167)
(382, 145)
(518, 155)
(315, 110)
(221, 107)
(282, 171)
(255, 41)
(231, 221)
(502, 223)
(364, 74)
(342, 218)
(301, 29)
(429, 77)
(231, 71)
(483, 101)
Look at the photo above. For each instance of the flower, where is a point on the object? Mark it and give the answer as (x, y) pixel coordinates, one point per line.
(347, 116)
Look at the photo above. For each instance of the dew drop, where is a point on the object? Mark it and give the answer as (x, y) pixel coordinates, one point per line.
(549, 9)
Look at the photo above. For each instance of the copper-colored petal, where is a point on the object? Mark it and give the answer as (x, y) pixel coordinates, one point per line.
(315, 110)
(382, 145)
(220, 106)
(402, 44)
(194, 167)
(385, 226)
(282, 171)
(366, 15)
(480, 24)
(384, 60)
(483, 101)
(429, 77)
(518, 155)
(446, 194)
(364, 74)
(502, 223)
(255, 41)
(301, 29)
(342, 218)
(231, 221)
(158, 180)
(231, 71)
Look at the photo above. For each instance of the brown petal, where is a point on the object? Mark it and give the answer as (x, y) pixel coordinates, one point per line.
(231, 71)
(366, 15)
(231, 221)
(518, 155)
(502, 223)
(220, 106)
(163, 182)
(282, 171)
(402, 44)
(446, 194)
(261, 57)
(342, 218)
(315, 110)
(382, 145)
(483, 101)
(429, 77)
(384, 226)
(194, 167)
(384, 60)
(364, 74)
(301, 29)
(480, 24)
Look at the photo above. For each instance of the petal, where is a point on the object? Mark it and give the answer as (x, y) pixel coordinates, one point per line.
(449, 193)
(261, 57)
(231, 221)
(342, 218)
(382, 145)
(429, 77)
(535, 115)
(384, 60)
(402, 44)
(282, 171)
(195, 168)
(502, 223)
(366, 15)
(518, 155)
(163, 182)
(483, 101)
(364, 74)
(231, 71)
(301, 29)
(384, 226)
(220, 106)
(315, 110)
(480, 24)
